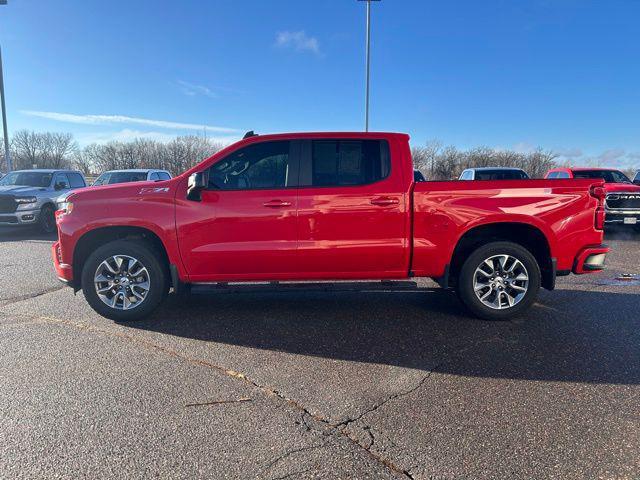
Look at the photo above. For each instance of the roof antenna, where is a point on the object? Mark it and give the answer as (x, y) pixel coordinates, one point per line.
(249, 134)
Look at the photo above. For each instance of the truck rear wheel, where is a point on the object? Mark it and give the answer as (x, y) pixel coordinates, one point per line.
(499, 280)
(124, 280)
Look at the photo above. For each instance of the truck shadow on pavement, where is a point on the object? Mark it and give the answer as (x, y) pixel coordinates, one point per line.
(569, 336)
(20, 234)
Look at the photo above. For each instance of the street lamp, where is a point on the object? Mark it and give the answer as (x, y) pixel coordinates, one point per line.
(7, 155)
(368, 48)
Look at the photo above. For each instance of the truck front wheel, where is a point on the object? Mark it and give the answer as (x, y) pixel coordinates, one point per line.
(124, 280)
(499, 280)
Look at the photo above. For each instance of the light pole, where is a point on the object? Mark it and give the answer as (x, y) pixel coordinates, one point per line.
(7, 154)
(368, 60)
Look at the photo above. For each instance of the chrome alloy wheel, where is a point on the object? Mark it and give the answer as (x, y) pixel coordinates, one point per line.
(501, 281)
(122, 282)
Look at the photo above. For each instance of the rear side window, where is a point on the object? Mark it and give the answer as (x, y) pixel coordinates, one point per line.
(76, 180)
(260, 166)
(562, 175)
(349, 162)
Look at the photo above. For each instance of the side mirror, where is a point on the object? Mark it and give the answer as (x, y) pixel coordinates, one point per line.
(59, 186)
(197, 182)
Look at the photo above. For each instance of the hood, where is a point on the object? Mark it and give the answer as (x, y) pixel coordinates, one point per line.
(621, 187)
(19, 190)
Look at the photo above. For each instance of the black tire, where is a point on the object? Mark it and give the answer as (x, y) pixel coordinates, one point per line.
(47, 220)
(467, 275)
(148, 257)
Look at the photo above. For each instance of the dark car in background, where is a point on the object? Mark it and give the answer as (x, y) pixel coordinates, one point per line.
(493, 173)
(28, 197)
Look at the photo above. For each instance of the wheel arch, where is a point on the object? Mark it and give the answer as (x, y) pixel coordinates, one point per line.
(524, 234)
(97, 237)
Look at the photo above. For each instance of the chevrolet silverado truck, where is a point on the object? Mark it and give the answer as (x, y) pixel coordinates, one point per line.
(326, 207)
(29, 197)
(622, 201)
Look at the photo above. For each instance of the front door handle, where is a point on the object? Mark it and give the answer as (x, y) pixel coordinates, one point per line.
(276, 204)
(384, 201)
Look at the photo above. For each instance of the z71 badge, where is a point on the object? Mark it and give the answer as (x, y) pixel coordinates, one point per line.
(146, 190)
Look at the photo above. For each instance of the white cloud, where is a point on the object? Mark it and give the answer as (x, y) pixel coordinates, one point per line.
(127, 135)
(569, 152)
(298, 41)
(191, 89)
(123, 119)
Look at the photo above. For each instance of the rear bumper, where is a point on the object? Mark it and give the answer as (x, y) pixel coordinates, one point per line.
(590, 259)
(64, 271)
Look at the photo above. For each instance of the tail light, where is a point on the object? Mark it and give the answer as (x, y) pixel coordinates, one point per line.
(599, 192)
(600, 217)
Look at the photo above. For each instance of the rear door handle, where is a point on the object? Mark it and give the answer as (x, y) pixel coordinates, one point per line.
(384, 201)
(276, 204)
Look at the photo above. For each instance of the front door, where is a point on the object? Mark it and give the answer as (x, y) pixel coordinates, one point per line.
(245, 226)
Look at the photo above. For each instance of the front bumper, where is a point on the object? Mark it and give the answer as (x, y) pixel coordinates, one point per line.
(20, 217)
(590, 259)
(622, 217)
(64, 271)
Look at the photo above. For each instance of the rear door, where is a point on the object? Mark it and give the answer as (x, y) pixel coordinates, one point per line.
(245, 226)
(352, 212)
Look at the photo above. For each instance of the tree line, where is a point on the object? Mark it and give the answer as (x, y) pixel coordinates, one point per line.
(60, 150)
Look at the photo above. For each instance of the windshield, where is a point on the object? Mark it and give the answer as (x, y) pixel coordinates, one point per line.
(27, 179)
(109, 178)
(609, 176)
(501, 175)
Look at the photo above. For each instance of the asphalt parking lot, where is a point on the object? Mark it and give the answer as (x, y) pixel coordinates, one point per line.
(319, 384)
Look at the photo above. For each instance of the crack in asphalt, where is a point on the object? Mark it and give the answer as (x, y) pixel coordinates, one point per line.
(29, 296)
(293, 452)
(329, 428)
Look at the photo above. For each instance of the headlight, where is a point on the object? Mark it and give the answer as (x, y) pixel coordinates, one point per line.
(25, 203)
(65, 208)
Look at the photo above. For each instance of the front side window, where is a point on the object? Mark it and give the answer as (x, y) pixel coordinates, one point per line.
(349, 162)
(261, 166)
(164, 176)
(61, 182)
(76, 180)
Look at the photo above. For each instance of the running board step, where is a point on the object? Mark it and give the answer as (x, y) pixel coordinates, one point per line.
(240, 287)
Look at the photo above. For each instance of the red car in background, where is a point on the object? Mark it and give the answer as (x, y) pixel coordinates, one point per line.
(622, 203)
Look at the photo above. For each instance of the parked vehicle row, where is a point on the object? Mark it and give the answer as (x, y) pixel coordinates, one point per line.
(31, 197)
(325, 207)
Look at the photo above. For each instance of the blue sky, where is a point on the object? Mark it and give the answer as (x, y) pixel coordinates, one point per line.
(560, 74)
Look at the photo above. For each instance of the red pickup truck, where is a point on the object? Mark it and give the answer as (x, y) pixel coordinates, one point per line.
(326, 206)
(622, 200)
